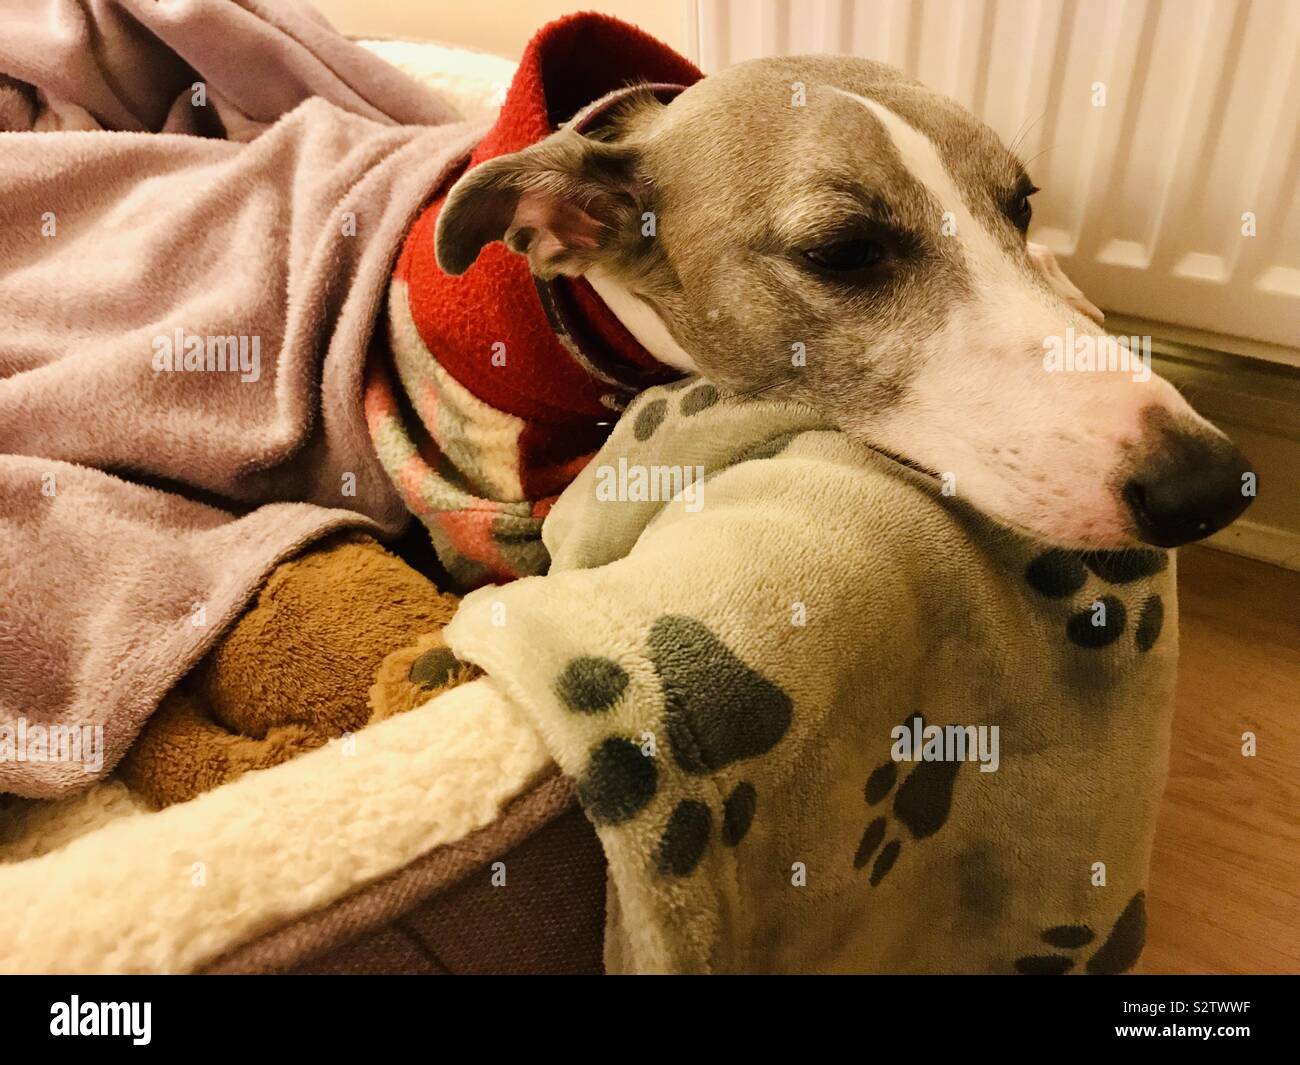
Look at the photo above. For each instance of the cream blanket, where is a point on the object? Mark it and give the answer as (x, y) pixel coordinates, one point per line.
(743, 607)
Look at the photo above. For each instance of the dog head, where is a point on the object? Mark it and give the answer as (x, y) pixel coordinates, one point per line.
(826, 229)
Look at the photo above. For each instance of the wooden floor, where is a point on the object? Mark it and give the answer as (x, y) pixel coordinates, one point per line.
(1225, 881)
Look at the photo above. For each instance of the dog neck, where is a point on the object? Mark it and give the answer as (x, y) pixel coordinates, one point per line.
(641, 320)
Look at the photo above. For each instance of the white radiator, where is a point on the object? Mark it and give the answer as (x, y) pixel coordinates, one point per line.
(1151, 191)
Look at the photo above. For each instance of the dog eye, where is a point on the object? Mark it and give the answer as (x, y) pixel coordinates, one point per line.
(1020, 210)
(846, 256)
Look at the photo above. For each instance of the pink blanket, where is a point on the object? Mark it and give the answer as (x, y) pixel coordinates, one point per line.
(200, 203)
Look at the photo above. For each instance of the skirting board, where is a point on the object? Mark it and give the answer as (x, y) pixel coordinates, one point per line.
(1257, 403)
(1265, 543)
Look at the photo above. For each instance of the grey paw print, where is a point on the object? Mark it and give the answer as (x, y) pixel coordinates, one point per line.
(717, 711)
(1056, 574)
(648, 419)
(1117, 955)
(921, 806)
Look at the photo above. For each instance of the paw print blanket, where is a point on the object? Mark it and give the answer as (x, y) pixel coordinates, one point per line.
(827, 718)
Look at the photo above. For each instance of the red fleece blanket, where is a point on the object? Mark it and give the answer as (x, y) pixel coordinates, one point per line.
(480, 410)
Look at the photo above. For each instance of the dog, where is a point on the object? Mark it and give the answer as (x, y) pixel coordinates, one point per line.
(833, 207)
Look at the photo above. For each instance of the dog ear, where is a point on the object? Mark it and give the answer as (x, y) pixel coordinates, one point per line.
(564, 203)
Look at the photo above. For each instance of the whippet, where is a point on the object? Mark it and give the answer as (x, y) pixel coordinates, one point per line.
(836, 204)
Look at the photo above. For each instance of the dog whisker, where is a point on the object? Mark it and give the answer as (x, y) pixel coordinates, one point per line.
(1039, 155)
(1025, 131)
(760, 390)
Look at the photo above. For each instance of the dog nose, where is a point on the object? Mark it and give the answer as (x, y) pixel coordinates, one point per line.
(1196, 486)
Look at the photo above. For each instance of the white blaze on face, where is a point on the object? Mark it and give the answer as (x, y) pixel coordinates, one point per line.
(1035, 448)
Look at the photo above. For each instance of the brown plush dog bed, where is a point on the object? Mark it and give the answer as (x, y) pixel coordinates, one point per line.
(442, 915)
